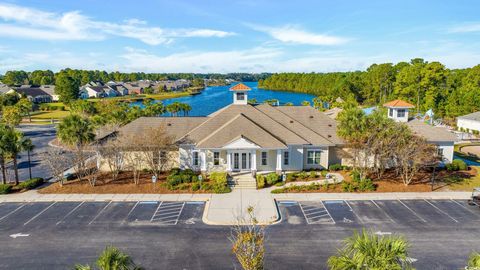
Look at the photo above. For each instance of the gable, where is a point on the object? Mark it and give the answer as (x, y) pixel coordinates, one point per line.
(242, 143)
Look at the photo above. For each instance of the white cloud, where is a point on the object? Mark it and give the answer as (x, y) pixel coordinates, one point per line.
(465, 28)
(32, 23)
(295, 35)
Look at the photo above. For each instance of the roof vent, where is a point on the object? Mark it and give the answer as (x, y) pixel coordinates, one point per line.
(169, 124)
(329, 136)
(329, 125)
(291, 121)
(311, 116)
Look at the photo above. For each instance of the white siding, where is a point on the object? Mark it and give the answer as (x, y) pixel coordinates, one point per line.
(468, 123)
(447, 151)
(323, 158)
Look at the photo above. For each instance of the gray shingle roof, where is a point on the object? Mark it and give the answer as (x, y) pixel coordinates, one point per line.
(431, 133)
(473, 116)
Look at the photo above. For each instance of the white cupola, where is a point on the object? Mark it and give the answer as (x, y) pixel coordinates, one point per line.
(240, 96)
(398, 110)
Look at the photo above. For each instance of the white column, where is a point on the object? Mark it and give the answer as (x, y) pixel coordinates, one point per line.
(254, 160)
(279, 160)
(229, 161)
(203, 160)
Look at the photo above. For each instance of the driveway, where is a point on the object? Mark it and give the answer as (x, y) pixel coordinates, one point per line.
(40, 135)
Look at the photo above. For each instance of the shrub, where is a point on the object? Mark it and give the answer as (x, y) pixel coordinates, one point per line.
(291, 177)
(276, 191)
(5, 188)
(366, 185)
(196, 186)
(31, 184)
(279, 184)
(195, 179)
(272, 178)
(348, 187)
(313, 174)
(302, 175)
(185, 178)
(335, 167)
(260, 181)
(219, 184)
(206, 186)
(174, 180)
(456, 165)
(174, 171)
(324, 173)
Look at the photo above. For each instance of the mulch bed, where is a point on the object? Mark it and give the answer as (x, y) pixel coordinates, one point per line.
(123, 185)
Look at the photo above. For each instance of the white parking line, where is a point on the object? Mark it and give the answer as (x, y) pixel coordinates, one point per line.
(156, 210)
(311, 213)
(328, 212)
(41, 212)
(413, 211)
(355, 214)
(131, 210)
(441, 211)
(383, 211)
(99, 213)
(16, 209)
(69, 213)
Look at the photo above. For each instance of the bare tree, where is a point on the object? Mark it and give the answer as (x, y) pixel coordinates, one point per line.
(412, 153)
(57, 161)
(249, 243)
(112, 157)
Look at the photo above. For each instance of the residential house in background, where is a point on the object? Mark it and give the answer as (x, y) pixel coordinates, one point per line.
(5, 89)
(439, 136)
(469, 123)
(37, 94)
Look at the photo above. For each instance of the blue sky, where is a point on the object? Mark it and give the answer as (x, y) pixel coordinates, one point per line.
(235, 36)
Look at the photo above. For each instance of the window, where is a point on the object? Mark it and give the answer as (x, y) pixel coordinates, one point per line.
(440, 152)
(240, 96)
(195, 159)
(390, 112)
(401, 113)
(264, 158)
(313, 157)
(286, 158)
(216, 158)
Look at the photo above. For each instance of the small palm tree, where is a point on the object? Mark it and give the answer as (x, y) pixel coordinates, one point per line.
(3, 152)
(75, 131)
(111, 259)
(13, 145)
(473, 261)
(28, 146)
(369, 251)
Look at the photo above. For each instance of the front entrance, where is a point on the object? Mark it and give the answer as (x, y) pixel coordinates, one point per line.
(241, 161)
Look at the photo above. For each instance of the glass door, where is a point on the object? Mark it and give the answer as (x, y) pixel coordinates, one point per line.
(244, 161)
(236, 163)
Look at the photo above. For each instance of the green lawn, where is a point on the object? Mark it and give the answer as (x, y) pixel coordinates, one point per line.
(50, 114)
(466, 184)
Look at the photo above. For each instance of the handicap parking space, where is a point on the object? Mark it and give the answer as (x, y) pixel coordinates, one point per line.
(316, 213)
(167, 213)
(142, 212)
(341, 212)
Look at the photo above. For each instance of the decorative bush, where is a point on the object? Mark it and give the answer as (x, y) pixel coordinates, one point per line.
(302, 175)
(196, 186)
(279, 184)
(260, 181)
(348, 187)
(272, 178)
(31, 184)
(291, 177)
(174, 180)
(456, 165)
(5, 189)
(366, 185)
(219, 182)
(313, 174)
(335, 167)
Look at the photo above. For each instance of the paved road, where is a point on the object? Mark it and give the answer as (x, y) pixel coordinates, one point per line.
(171, 235)
(40, 135)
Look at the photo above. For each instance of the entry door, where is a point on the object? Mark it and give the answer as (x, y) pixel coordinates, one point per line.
(236, 162)
(244, 161)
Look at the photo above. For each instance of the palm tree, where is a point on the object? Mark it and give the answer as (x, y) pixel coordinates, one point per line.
(28, 146)
(13, 145)
(3, 152)
(112, 259)
(369, 251)
(75, 131)
(473, 261)
(186, 108)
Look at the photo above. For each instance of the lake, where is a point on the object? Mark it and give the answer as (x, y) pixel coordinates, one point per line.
(214, 98)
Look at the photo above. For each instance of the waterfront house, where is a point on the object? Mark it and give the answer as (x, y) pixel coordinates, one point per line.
(262, 138)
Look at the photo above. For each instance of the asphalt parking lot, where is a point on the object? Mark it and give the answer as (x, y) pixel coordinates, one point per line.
(171, 235)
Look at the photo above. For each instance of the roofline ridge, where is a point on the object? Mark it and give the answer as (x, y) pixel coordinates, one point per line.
(221, 127)
(297, 122)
